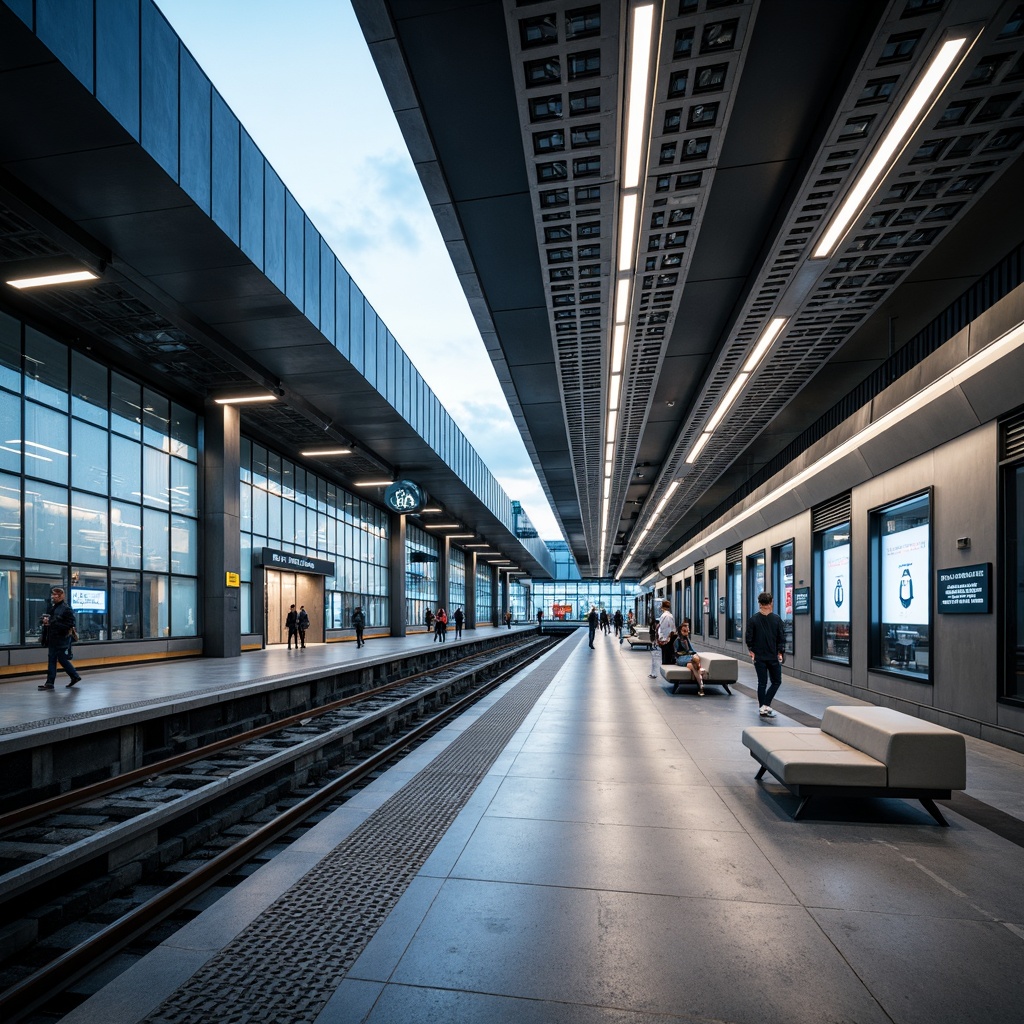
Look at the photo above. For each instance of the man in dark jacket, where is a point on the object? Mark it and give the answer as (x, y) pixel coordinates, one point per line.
(459, 618)
(593, 620)
(766, 642)
(291, 623)
(58, 621)
(303, 623)
(359, 622)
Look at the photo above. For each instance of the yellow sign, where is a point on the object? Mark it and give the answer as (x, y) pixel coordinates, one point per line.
(232, 579)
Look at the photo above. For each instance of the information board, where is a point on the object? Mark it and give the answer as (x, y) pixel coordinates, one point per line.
(802, 601)
(964, 590)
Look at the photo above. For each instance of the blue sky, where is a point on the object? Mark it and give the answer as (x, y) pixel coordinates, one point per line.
(300, 78)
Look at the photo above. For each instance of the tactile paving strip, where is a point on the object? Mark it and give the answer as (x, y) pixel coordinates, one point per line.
(289, 961)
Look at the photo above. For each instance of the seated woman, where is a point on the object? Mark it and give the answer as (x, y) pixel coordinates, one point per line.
(686, 655)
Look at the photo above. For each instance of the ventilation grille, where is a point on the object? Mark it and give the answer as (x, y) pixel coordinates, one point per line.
(831, 513)
(1011, 446)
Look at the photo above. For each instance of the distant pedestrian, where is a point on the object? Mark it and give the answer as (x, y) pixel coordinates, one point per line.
(430, 621)
(617, 623)
(459, 618)
(603, 619)
(540, 620)
(359, 623)
(508, 619)
(303, 624)
(766, 642)
(440, 625)
(652, 636)
(291, 623)
(593, 621)
(58, 632)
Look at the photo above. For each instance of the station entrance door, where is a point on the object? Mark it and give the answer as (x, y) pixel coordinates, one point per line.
(293, 588)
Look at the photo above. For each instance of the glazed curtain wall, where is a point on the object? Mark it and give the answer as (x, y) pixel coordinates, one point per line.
(98, 493)
(288, 507)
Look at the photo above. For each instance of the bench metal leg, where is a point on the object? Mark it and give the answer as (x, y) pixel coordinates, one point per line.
(929, 806)
(761, 772)
(800, 809)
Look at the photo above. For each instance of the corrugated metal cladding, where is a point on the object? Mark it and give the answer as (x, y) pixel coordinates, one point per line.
(831, 513)
(1011, 438)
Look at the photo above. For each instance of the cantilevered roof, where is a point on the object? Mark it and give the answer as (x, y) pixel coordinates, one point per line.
(118, 154)
(758, 120)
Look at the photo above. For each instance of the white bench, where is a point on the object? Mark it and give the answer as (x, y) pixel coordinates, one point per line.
(863, 751)
(638, 641)
(715, 670)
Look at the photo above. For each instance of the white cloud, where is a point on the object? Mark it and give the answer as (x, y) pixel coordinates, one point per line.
(300, 79)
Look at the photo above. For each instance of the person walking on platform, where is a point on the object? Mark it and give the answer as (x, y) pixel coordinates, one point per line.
(667, 634)
(291, 623)
(540, 620)
(58, 633)
(430, 621)
(508, 619)
(630, 623)
(603, 619)
(303, 623)
(440, 625)
(766, 641)
(593, 621)
(617, 623)
(359, 623)
(459, 618)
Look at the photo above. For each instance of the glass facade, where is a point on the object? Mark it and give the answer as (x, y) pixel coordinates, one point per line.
(901, 573)
(734, 622)
(484, 596)
(456, 580)
(570, 600)
(98, 492)
(287, 507)
(782, 588)
(422, 551)
(831, 628)
(1013, 585)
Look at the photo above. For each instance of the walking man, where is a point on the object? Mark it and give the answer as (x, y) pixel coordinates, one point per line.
(593, 619)
(459, 619)
(58, 622)
(766, 642)
(291, 623)
(303, 623)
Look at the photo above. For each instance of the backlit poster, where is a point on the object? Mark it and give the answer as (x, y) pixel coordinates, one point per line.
(835, 600)
(905, 576)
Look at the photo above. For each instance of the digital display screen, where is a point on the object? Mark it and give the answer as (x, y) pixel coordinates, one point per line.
(83, 600)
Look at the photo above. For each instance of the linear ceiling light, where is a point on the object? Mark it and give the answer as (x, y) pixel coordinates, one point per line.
(698, 447)
(910, 117)
(374, 483)
(444, 526)
(46, 279)
(459, 536)
(245, 399)
(770, 333)
(318, 452)
(627, 230)
(636, 95)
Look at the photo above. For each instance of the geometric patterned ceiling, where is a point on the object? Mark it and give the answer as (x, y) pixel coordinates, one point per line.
(758, 121)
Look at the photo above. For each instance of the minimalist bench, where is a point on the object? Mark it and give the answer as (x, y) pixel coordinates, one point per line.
(715, 670)
(863, 752)
(638, 641)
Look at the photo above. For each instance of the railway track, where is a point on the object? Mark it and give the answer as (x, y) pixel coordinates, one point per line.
(123, 828)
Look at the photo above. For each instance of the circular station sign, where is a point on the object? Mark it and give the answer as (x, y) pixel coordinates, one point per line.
(404, 496)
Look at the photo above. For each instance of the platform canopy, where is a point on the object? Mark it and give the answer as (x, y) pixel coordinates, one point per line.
(689, 228)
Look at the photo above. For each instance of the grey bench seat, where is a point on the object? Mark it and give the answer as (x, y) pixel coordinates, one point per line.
(715, 670)
(638, 641)
(863, 751)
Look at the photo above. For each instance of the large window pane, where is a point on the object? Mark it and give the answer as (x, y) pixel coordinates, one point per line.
(46, 370)
(126, 469)
(46, 443)
(155, 606)
(125, 606)
(183, 487)
(46, 521)
(88, 528)
(184, 536)
(10, 615)
(782, 588)
(10, 515)
(125, 406)
(156, 476)
(10, 353)
(125, 535)
(10, 432)
(89, 598)
(184, 607)
(88, 389)
(155, 540)
(156, 420)
(89, 457)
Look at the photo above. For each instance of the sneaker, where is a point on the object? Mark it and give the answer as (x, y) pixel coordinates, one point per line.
(45, 686)
(77, 679)
(766, 712)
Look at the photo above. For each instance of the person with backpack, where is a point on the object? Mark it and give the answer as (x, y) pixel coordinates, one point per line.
(359, 622)
(303, 623)
(58, 632)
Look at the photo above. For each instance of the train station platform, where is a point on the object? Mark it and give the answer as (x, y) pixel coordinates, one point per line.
(586, 847)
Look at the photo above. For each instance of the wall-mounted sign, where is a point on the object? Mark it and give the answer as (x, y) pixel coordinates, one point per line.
(964, 590)
(271, 559)
(801, 600)
(405, 496)
(232, 579)
(88, 600)
(721, 606)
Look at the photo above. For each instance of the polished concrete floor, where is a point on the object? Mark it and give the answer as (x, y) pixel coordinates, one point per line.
(619, 863)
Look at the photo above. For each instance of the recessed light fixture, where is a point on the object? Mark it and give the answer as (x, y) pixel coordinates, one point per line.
(315, 452)
(47, 279)
(908, 119)
(245, 399)
(374, 483)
